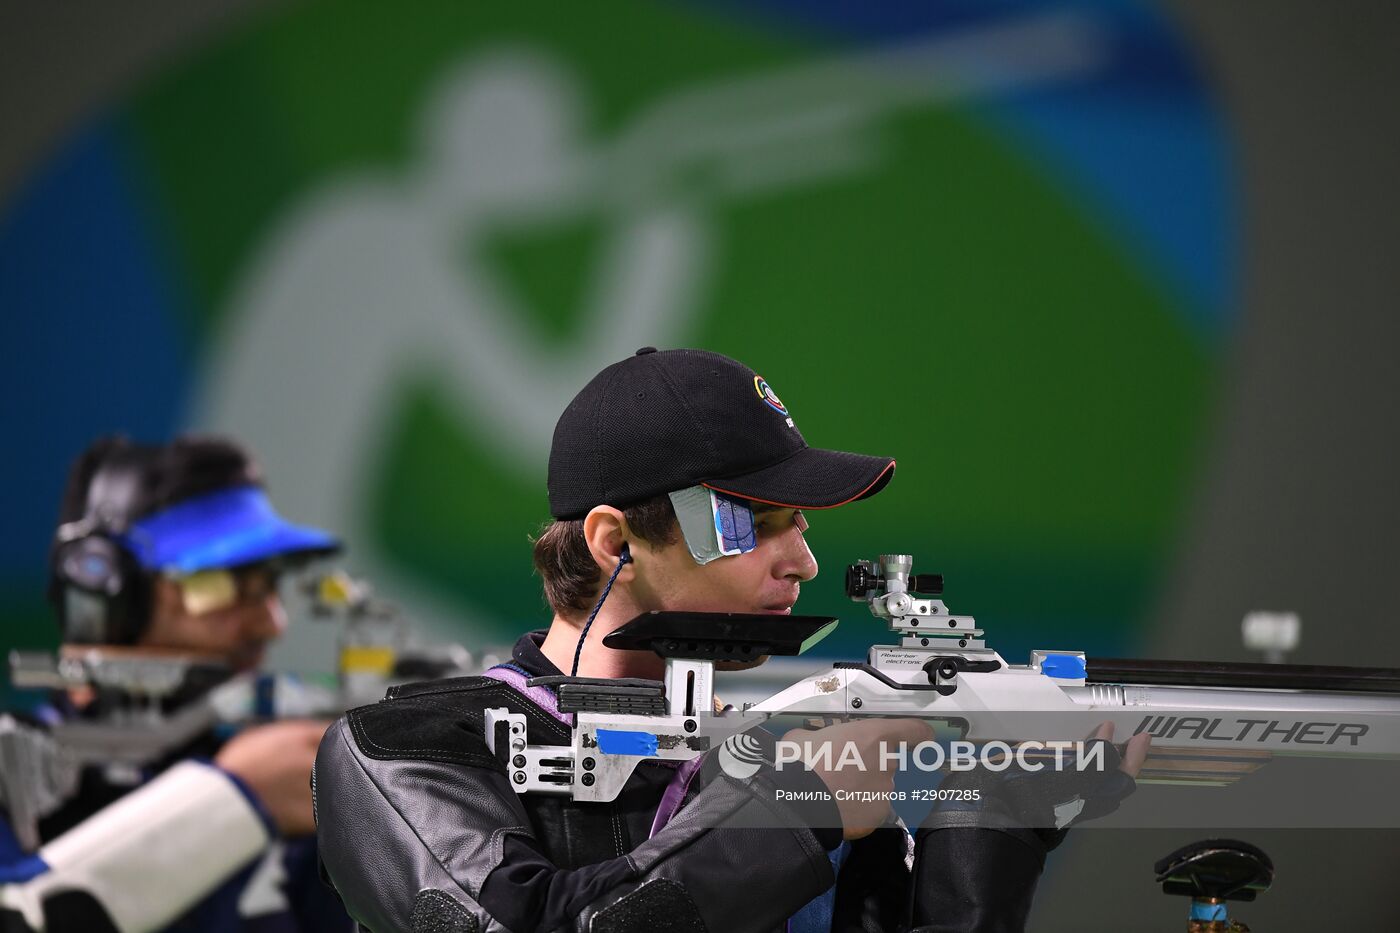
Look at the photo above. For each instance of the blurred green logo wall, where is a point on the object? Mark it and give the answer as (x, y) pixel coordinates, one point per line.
(386, 246)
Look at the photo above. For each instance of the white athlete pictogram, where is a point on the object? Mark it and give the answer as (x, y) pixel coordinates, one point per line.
(379, 280)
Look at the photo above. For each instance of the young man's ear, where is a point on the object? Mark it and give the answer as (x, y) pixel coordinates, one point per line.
(606, 532)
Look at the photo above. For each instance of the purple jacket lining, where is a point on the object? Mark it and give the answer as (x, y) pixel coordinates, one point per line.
(545, 699)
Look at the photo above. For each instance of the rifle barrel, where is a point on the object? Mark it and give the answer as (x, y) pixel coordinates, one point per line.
(1243, 674)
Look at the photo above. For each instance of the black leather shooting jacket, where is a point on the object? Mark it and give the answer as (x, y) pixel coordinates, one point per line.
(420, 831)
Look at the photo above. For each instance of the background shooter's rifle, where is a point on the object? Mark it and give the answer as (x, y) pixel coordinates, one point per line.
(1211, 722)
(152, 703)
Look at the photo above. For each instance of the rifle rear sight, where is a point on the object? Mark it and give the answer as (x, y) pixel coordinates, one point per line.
(908, 601)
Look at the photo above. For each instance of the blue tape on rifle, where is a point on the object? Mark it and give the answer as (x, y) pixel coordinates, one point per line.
(1064, 666)
(619, 742)
(1200, 911)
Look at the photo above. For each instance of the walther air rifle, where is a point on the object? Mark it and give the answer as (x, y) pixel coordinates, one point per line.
(1217, 721)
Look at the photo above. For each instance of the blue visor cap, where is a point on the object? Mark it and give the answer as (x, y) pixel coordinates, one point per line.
(227, 528)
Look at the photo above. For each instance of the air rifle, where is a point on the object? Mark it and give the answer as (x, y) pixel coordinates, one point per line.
(151, 703)
(1211, 722)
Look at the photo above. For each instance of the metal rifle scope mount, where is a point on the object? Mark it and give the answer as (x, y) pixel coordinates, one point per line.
(909, 604)
(868, 579)
(909, 601)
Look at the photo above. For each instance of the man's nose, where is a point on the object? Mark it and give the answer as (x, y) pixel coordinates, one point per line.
(268, 620)
(795, 559)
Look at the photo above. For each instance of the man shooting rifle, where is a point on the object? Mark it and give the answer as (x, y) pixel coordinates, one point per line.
(678, 481)
(166, 559)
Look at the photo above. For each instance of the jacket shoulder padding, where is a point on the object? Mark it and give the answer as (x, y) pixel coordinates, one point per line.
(445, 720)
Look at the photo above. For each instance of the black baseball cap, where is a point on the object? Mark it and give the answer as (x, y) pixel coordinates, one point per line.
(664, 420)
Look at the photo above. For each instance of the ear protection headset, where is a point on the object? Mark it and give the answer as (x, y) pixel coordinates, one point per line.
(99, 593)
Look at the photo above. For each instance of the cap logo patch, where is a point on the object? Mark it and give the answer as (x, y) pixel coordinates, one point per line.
(766, 393)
